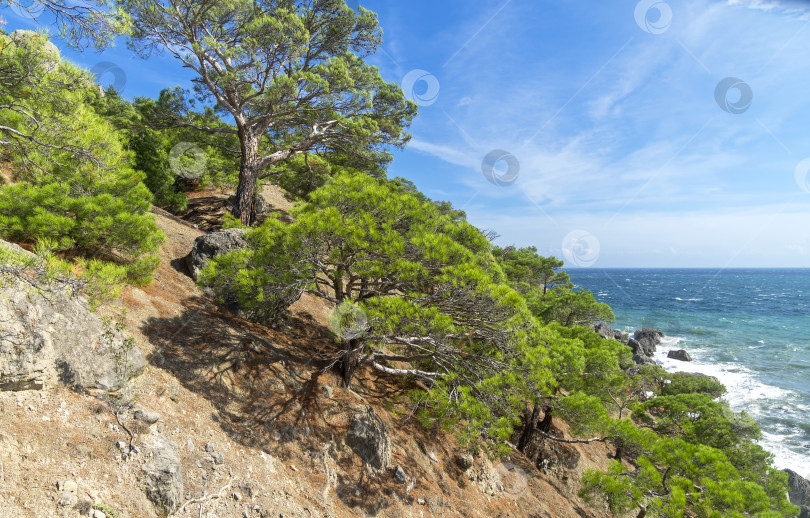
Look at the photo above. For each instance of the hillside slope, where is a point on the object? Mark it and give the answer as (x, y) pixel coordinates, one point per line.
(259, 424)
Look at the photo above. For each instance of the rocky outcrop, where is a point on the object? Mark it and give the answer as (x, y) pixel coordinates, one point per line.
(621, 336)
(210, 245)
(798, 489)
(163, 476)
(50, 337)
(679, 354)
(48, 52)
(604, 330)
(648, 339)
(643, 359)
(368, 437)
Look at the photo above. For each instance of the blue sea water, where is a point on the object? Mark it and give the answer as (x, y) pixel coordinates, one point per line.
(748, 327)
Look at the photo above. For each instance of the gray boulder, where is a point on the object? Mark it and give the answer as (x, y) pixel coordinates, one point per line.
(210, 245)
(50, 337)
(163, 476)
(798, 489)
(643, 359)
(368, 437)
(649, 339)
(464, 461)
(805, 512)
(621, 336)
(604, 330)
(635, 346)
(680, 354)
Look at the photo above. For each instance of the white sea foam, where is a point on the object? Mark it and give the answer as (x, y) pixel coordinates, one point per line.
(745, 393)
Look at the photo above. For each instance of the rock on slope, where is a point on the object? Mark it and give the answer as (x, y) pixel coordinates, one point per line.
(259, 428)
(51, 337)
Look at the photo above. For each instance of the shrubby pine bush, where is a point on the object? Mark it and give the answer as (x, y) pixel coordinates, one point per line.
(73, 185)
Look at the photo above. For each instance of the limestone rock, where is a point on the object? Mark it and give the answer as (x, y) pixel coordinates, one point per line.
(798, 489)
(648, 338)
(642, 359)
(51, 338)
(621, 336)
(604, 330)
(163, 477)
(47, 50)
(400, 475)
(680, 354)
(464, 461)
(368, 437)
(146, 416)
(210, 245)
(486, 477)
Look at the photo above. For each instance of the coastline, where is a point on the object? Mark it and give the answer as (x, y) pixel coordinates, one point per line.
(742, 388)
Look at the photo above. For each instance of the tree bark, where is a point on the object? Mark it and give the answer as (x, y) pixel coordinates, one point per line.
(528, 430)
(350, 359)
(545, 424)
(248, 176)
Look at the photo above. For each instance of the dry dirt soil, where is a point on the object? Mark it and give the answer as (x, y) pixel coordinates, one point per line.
(266, 400)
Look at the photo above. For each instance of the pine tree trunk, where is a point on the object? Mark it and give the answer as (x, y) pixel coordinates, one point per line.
(248, 176)
(349, 360)
(528, 430)
(545, 424)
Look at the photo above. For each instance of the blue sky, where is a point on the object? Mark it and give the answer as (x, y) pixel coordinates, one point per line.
(628, 154)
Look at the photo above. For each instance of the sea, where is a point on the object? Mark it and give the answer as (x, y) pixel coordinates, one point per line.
(750, 328)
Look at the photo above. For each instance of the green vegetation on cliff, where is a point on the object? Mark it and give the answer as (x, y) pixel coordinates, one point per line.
(498, 339)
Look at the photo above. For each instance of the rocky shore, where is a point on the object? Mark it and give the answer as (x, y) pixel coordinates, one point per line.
(644, 343)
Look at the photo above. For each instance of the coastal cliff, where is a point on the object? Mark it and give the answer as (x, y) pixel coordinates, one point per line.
(233, 419)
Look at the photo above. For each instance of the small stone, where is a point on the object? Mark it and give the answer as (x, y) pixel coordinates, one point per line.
(31, 408)
(464, 461)
(293, 468)
(209, 448)
(146, 417)
(399, 474)
(432, 456)
(237, 496)
(218, 457)
(420, 501)
(199, 464)
(328, 390)
(190, 445)
(95, 513)
(122, 446)
(46, 418)
(68, 500)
